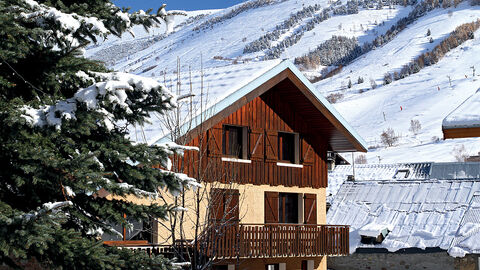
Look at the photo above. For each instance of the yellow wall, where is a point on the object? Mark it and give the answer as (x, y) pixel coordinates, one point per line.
(251, 206)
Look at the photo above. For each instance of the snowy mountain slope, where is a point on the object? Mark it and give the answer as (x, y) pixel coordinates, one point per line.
(228, 39)
(363, 25)
(415, 97)
(409, 44)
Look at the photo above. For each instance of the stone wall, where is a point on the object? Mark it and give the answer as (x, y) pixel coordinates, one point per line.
(401, 261)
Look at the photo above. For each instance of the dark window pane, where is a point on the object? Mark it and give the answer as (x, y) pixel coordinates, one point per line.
(232, 141)
(288, 208)
(286, 147)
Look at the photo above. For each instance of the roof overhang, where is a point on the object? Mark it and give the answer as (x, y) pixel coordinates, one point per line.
(464, 121)
(344, 134)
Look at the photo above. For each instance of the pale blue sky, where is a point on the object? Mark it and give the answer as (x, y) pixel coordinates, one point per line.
(176, 4)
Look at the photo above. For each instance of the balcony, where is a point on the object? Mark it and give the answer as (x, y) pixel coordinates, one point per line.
(277, 240)
(258, 241)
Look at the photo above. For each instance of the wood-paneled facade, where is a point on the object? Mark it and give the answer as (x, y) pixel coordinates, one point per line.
(264, 117)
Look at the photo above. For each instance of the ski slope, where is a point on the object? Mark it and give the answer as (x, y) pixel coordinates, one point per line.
(425, 96)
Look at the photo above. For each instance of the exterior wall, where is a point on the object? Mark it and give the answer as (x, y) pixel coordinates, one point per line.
(395, 261)
(265, 116)
(251, 206)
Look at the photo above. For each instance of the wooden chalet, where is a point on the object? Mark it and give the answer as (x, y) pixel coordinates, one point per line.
(263, 158)
(464, 121)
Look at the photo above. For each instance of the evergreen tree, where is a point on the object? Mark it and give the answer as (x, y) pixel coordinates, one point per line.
(64, 125)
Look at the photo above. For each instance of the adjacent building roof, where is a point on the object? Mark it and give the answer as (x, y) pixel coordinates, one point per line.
(222, 90)
(464, 121)
(440, 209)
(362, 172)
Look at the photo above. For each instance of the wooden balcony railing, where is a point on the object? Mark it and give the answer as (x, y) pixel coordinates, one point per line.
(277, 240)
(258, 241)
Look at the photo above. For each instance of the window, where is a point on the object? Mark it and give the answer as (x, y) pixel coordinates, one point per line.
(235, 142)
(288, 147)
(288, 208)
(401, 174)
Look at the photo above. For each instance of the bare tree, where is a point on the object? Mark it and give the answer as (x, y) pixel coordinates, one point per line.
(460, 153)
(388, 137)
(415, 126)
(361, 159)
(201, 217)
(373, 84)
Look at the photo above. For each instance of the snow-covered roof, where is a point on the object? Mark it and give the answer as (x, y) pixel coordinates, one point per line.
(467, 115)
(419, 213)
(455, 170)
(401, 171)
(222, 87)
(364, 172)
(468, 234)
(212, 87)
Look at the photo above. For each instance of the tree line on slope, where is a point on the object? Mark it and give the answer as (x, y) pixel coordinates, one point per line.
(342, 50)
(351, 7)
(234, 12)
(461, 34)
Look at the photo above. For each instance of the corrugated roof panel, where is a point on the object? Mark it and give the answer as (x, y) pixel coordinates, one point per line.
(455, 170)
(427, 216)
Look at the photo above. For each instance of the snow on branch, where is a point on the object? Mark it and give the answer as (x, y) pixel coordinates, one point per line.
(47, 208)
(118, 92)
(75, 28)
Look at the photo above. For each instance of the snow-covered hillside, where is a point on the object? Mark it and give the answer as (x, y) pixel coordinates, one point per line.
(218, 38)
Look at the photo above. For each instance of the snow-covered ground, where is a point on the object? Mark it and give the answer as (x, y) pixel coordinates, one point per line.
(425, 96)
(365, 26)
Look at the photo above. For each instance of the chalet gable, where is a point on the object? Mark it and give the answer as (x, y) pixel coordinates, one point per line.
(289, 83)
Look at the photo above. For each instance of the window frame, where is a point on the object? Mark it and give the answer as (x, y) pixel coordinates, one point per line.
(242, 141)
(295, 148)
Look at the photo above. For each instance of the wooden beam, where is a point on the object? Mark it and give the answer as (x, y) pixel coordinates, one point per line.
(454, 133)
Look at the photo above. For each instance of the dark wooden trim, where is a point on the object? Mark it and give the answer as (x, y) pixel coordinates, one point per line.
(125, 243)
(454, 133)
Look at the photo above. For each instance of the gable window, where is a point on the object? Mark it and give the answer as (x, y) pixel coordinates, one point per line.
(289, 147)
(235, 141)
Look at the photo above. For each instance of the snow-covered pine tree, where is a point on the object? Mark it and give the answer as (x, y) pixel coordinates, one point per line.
(63, 138)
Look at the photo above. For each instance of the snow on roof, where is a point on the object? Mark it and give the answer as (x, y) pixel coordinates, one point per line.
(455, 170)
(215, 85)
(468, 234)
(467, 115)
(421, 213)
(374, 229)
(363, 172)
(223, 86)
